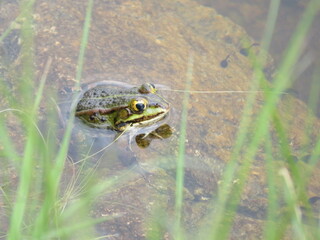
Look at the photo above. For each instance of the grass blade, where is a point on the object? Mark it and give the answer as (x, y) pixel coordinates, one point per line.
(180, 160)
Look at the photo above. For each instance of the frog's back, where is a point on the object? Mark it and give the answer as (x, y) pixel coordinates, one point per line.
(105, 97)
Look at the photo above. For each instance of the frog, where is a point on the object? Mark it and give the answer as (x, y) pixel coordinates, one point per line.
(113, 115)
(119, 108)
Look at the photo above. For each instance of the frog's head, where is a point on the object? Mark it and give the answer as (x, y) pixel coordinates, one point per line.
(141, 111)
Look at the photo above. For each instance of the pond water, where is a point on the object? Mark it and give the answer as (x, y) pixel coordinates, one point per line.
(153, 41)
(252, 15)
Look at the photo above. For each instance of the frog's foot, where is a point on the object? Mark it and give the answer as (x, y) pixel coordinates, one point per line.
(162, 132)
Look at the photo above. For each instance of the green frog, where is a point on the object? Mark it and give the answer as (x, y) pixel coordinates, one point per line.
(121, 108)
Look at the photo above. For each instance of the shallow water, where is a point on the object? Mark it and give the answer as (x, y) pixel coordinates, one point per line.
(252, 15)
(136, 42)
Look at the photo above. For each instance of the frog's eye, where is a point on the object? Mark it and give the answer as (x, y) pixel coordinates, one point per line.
(138, 105)
(147, 88)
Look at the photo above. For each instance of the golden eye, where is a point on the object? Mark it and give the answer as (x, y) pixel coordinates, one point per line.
(138, 105)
